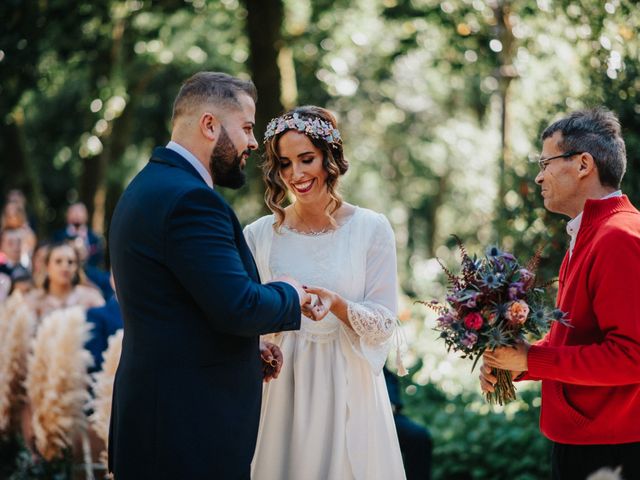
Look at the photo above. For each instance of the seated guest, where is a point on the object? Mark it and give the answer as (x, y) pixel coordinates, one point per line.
(38, 266)
(21, 280)
(78, 231)
(99, 278)
(415, 440)
(10, 250)
(61, 287)
(105, 321)
(14, 217)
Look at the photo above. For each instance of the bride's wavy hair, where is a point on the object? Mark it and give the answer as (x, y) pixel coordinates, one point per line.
(333, 162)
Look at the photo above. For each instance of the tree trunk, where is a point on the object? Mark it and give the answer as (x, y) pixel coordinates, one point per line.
(264, 28)
(506, 73)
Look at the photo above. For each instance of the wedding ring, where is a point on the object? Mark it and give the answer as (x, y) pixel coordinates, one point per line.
(273, 362)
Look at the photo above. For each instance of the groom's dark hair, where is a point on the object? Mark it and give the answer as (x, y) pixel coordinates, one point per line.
(216, 87)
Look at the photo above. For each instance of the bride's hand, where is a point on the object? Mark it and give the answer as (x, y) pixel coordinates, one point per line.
(322, 306)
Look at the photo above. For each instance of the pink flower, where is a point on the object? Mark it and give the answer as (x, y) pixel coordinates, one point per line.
(473, 321)
(469, 339)
(517, 312)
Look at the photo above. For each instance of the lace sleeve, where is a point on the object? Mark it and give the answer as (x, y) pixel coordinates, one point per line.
(373, 323)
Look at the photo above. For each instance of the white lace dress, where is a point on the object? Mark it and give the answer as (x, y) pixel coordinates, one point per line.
(328, 414)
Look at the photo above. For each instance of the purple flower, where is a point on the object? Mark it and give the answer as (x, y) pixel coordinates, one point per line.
(508, 256)
(446, 320)
(452, 299)
(469, 339)
(526, 275)
(516, 289)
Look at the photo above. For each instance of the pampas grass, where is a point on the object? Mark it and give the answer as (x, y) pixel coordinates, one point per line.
(57, 380)
(103, 390)
(17, 323)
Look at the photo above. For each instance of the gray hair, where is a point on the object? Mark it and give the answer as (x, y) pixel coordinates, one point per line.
(597, 131)
(220, 88)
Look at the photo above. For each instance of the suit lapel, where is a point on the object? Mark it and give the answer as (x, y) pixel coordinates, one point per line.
(174, 159)
(243, 248)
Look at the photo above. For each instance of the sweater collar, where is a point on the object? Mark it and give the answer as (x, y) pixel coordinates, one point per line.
(574, 224)
(596, 210)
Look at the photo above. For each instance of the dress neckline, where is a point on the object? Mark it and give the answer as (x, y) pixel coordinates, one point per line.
(323, 232)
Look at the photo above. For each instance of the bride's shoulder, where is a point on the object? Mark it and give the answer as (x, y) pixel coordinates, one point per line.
(375, 225)
(370, 217)
(260, 224)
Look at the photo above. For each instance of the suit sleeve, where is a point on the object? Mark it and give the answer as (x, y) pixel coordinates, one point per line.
(201, 251)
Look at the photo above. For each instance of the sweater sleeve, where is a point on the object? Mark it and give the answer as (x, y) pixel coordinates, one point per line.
(613, 284)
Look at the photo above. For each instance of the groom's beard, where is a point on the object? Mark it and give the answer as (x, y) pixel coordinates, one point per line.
(225, 163)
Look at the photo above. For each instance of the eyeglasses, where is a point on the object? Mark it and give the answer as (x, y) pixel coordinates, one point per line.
(543, 162)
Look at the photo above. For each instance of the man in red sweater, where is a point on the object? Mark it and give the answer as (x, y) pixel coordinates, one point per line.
(590, 371)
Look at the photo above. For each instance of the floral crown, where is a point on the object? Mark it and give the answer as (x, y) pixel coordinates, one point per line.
(313, 127)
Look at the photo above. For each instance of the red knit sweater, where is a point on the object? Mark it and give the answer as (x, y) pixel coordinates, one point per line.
(590, 372)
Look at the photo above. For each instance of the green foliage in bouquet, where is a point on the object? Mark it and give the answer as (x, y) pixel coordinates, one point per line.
(494, 302)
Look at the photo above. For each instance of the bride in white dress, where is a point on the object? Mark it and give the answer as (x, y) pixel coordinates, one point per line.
(327, 416)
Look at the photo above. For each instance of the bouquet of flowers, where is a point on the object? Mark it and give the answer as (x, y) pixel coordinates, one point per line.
(494, 302)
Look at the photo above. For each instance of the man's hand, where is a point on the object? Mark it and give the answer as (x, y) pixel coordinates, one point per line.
(488, 379)
(324, 301)
(271, 360)
(508, 358)
(305, 298)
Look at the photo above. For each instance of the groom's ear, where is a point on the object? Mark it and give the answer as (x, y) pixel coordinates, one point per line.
(209, 126)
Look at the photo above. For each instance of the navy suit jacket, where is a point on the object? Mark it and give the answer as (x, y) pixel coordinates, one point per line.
(188, 388)
(104, 321)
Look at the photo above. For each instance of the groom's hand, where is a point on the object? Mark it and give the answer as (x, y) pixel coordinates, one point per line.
(325, 300)
(271, 360)
(305, 298)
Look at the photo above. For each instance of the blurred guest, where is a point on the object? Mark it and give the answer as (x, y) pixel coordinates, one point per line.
(105, 321)
(38, 265)
(10, 246)
(99, 278)
(415, 440)
(61, 287)
(10, 249)
(78, 231)
(21, 280)
(14, 217)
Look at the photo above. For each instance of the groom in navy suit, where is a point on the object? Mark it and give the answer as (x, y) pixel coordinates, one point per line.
(187, 393)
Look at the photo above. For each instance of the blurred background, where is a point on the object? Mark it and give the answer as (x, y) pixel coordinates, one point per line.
(440, 104)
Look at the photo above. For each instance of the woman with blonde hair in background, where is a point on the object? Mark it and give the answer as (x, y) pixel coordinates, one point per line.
(62, 283)
(328, 415)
